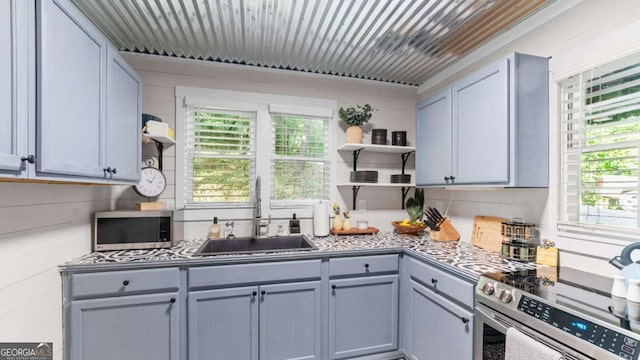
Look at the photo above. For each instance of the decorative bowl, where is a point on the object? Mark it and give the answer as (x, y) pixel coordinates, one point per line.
(410, 229)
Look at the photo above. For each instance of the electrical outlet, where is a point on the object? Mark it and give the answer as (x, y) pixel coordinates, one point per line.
(362, 205)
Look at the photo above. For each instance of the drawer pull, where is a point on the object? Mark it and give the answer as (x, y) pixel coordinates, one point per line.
(125, 283)
(254, 293)
(263, 293)
(434, 281)
(464, 320)
(333, 287)
(173, 300)
(366, 266)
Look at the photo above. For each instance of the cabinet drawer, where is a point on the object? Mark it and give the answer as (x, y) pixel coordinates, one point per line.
(212, 276)
(363, 265)
(442, 282)
(116, 283)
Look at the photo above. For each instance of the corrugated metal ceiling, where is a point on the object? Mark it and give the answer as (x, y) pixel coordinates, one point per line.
(388, 40)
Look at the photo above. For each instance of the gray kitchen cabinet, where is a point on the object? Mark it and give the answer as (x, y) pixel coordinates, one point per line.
(498, 126)
(267, 322)
(363, 306)
(223, 324)
(124, 109)
(440, 329)
(433, 134)
(71, 91)
(14, 87)
(74, 111)
(363, 316)
(130, 327)
(131, 314)
(437, 313)
(290, 321)
(277, 315)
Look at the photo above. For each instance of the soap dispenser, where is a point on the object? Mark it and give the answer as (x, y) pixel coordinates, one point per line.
(294, 225)
(214, 230)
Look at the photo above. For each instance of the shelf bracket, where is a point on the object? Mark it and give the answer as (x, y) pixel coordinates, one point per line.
(356, 153)
(405, 191)
(405, 157)
(355, 190)
(160, 147)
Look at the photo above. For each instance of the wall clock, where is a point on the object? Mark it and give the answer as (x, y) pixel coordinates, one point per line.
(152, 182)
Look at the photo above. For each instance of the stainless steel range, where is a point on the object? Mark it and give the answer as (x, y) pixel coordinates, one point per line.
(571, 313)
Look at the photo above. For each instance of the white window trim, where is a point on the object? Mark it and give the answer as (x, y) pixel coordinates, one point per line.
(599, 51)
(261, 103)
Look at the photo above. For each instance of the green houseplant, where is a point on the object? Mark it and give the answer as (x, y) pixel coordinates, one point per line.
(413, 224)
(355, 117)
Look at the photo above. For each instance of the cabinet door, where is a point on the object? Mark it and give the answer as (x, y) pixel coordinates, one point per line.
(439, 329)
(363, 316)
(124, 105)
(130, 327)
(290, 321)
(14, 72)
(481, 127)
(433, 139)
(71, 72)
(223, 324)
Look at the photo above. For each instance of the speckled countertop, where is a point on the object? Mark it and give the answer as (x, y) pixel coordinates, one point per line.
(460, 257)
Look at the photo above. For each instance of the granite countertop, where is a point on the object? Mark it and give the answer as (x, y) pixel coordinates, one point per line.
(463, 258)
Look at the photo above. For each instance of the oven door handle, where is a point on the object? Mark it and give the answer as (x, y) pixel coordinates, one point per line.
(488, 317)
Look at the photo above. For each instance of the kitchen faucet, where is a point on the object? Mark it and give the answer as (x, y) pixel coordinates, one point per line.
(259, 226)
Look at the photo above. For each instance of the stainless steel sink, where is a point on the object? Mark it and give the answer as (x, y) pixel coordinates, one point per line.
(255, 245)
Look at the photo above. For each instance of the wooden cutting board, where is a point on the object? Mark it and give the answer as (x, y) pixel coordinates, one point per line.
(487, 233)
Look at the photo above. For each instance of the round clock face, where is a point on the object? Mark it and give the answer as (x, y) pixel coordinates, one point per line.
(152, 182)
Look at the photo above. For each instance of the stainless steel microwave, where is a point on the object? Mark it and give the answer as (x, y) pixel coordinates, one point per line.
(125, 230)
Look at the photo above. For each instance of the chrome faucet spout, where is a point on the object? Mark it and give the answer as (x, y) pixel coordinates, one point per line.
(257, 210)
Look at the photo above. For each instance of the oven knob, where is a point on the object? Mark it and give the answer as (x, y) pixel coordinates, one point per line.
(505, 295)
(488, 288)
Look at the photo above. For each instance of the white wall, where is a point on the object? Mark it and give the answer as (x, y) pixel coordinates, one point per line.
(576, 35)
(41, 226)
(395, 104)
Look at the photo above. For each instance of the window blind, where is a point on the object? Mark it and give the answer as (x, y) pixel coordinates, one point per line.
(300, 161)
(599, 150)
(219, 156)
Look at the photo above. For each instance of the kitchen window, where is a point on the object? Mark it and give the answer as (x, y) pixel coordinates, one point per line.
(600, 151)
(300, 159)
(231, 138)
(219, 156)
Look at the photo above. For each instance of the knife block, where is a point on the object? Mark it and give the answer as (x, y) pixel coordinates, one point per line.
(447, 232)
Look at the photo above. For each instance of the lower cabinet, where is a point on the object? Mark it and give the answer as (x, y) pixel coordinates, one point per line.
(363, 316)
(266, 322)
(340, 308)
(128, 327)
(439, 329)
(438, 319)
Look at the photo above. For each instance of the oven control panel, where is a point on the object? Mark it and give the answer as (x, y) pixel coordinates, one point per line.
(612, 341)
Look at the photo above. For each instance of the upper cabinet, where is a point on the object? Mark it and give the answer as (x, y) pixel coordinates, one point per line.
(71, 78)
(490, 128)
(14, 89)
(85, 124)
(124, 108)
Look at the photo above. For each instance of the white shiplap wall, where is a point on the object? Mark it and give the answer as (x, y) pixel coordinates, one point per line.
(41, 227)
(395, 104)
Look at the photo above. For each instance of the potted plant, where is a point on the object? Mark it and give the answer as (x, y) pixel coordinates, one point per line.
(355, 117)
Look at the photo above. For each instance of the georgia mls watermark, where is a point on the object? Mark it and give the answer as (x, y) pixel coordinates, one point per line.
(26, 351)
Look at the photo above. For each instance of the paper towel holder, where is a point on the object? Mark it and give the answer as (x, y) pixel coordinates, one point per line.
(321, 219)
